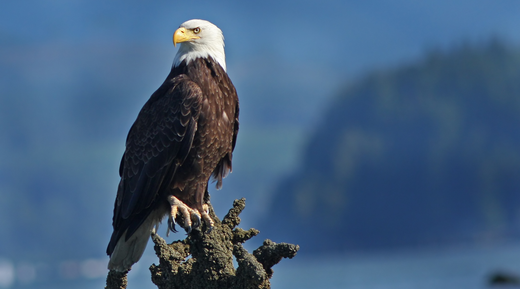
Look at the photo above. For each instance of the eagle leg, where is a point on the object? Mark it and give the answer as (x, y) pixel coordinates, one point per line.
(186, 212)
(207, 218)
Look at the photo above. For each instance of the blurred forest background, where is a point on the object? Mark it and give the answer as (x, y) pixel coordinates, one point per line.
(365, 126)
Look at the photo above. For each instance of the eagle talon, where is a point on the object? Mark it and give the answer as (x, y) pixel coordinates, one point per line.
(171, 225)
(197, 222)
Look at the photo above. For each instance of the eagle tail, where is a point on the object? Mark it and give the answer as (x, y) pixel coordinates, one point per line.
(128, 252)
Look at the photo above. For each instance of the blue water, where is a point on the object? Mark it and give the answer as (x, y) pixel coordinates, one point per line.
(453, 268)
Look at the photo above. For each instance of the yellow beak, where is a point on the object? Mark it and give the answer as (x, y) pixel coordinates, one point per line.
(182, 35)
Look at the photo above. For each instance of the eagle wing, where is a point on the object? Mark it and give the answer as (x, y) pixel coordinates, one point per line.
(224, 167)
(158, 142)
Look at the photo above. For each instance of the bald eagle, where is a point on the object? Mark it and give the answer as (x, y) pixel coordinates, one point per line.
(184, 134)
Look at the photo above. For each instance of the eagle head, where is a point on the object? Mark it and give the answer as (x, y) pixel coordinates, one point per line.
(199, 39)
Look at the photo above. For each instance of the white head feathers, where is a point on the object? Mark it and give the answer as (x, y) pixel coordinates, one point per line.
(199, 38)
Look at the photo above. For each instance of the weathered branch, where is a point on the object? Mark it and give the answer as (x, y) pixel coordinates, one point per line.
(116, 280)
(211, 263)
(270, 253)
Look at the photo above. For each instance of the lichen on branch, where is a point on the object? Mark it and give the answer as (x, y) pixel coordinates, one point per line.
(211, 263)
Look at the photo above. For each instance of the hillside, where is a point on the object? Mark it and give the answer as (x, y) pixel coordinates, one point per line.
(420, 155)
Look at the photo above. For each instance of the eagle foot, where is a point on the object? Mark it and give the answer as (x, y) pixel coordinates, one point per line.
(190, 216)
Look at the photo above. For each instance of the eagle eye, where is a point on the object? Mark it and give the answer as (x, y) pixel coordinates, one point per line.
(196, 30)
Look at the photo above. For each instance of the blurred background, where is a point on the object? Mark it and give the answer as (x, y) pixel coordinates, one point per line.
(381, 136)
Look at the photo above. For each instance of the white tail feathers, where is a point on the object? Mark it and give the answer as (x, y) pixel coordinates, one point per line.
(127, 253)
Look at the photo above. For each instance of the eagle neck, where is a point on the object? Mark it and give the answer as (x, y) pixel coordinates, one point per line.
(189, 53)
